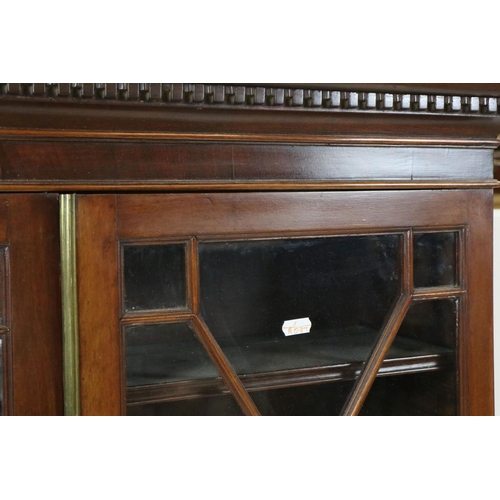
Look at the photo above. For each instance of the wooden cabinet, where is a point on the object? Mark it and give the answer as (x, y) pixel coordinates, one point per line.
(322, 252)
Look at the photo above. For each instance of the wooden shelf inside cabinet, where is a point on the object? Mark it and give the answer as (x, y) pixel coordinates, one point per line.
(406, 356)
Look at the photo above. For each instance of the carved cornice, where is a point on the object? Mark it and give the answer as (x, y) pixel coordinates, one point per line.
(458, 102)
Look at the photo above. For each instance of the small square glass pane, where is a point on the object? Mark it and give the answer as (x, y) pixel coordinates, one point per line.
(434, 259)
(155, 277)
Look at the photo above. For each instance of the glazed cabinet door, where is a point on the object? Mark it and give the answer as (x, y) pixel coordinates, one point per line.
(30, 306)
(291, 303)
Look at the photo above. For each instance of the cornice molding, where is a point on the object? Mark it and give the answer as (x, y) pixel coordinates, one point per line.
(454, 99)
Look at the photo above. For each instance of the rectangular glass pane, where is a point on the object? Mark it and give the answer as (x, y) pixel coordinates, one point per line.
(155, 277)
(164, 353)
(425, 347)
(434, 259)
(208, 406)
(290, 312)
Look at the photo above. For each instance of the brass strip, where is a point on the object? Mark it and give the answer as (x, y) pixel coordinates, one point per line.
(496, 201)
(69, 305)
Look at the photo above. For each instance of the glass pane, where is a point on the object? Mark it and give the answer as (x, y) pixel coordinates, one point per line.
(164, 353)
(310, 400)
(434, 259)
(155, 277)
(211, 406)
(167, 363)
(421, 365)
(260, 298)
(1, 376)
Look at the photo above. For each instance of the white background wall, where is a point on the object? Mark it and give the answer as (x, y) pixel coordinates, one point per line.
(496, 298)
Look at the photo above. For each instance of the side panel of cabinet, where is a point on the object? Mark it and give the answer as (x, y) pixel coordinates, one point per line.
(34, 348)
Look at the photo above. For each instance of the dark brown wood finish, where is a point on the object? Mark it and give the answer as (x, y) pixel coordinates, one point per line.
(245, 214)
(478, 336)
(232, 161)
(100, 121)
(184, 163)
(36, 339)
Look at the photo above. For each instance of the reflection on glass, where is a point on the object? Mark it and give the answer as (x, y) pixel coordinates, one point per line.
(1, 376)
(332, 293)
(155, 277)
(210, 406)
(434, 259)
(164, 353)
(426, 348)
(345, 286)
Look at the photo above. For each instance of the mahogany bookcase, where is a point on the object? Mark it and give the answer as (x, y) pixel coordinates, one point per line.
(247, 249)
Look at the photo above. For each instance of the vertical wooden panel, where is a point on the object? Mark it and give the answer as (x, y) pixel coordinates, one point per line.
(36, 305)
(98, 303)
(4, 219)
(480, 303)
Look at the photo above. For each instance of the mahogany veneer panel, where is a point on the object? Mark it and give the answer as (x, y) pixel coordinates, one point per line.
(118, 161)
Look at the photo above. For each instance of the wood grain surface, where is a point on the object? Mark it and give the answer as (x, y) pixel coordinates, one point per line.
(36, 305)
(98, 305)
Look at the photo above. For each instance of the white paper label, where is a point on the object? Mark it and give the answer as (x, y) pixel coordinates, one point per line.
(296, 326)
